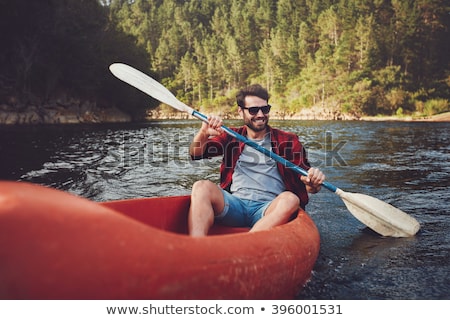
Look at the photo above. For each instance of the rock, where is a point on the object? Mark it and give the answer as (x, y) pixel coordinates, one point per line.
(62, 110)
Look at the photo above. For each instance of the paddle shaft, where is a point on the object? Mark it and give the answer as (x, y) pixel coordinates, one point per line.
(267, 152)
(153, 88)
(378, 215)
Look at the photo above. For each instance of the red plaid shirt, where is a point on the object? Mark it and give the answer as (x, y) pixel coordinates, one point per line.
(285, 144)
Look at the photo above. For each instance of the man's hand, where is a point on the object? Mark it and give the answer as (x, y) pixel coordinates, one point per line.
(213, 127)
(313, 180)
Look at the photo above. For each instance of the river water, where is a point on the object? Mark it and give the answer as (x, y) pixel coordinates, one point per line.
(404, 164)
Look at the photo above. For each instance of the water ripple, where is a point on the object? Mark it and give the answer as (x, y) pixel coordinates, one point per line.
(405, 164)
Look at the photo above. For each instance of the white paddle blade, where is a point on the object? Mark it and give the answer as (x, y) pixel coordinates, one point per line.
(148, 85)
(379, 216)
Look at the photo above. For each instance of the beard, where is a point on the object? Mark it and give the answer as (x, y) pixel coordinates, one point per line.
(257, 124)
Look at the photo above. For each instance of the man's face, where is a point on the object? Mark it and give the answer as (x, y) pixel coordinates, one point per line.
(259, 121)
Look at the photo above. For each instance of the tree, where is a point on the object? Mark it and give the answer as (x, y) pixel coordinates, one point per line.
(306, 52)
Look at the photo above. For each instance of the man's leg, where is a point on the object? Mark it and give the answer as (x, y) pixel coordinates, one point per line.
(278, 212)
(206, 202)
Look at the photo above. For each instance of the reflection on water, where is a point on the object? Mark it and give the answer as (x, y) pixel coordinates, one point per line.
(405, 164)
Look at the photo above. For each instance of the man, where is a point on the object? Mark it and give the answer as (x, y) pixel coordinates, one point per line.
(255, 191)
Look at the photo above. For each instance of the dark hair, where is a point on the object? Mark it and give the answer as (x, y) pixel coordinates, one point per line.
(252, 90)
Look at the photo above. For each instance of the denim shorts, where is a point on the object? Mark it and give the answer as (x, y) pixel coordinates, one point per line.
(240, 212)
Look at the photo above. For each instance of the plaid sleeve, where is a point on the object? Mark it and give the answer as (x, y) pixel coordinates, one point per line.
(214, 147)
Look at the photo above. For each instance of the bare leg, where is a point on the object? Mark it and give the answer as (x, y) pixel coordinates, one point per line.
(206, 202)
(279, 211)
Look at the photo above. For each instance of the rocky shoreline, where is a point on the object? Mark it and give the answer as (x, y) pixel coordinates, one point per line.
(74, 111)
(60, 111)
(443, 117)
(306, 114)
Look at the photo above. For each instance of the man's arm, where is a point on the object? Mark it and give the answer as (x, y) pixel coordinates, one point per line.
(198, 144)
(212, 128)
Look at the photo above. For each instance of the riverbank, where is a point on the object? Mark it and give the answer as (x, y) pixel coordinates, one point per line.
(73, 111)
(442, 117)
(305, 114)
(313, 113)
(60, 111)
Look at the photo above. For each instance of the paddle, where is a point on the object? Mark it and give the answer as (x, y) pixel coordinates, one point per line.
(374, 213)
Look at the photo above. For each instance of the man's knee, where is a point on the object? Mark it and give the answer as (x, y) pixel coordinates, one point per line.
(290, 199)
(201, 186)
(205, 192)
(204, 189)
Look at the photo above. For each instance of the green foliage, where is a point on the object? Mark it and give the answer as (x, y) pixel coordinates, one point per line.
(369, 57)
(436, 106)
(64, 48)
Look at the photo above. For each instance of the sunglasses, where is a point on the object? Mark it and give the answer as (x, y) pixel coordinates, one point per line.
(254, 110)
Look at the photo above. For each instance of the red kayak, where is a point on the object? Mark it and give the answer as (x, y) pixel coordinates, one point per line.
(55, 245)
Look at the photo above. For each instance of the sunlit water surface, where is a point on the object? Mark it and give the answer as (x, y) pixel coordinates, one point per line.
(404, 164)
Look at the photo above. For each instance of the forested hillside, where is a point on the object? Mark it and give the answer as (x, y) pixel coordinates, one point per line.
(56, 53)
(357, 56)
